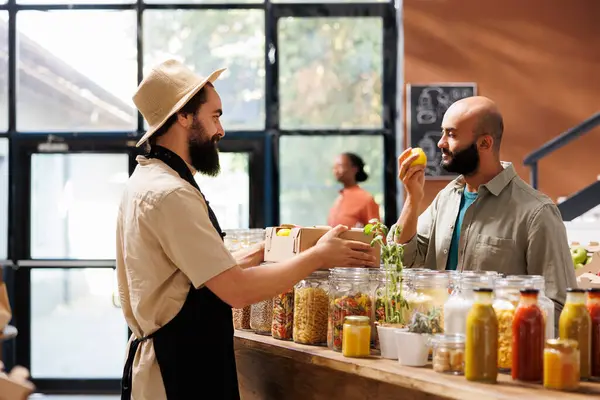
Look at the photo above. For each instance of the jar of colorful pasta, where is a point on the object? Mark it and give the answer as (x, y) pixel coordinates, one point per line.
(349, 295)
(283, 316)
(311, 305)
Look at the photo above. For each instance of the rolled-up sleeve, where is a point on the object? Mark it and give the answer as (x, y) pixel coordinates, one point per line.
(415, 250)
(548, 253)
(188, 238)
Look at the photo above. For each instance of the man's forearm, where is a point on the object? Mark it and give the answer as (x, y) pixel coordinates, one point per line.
(269, 280)
(408, 220)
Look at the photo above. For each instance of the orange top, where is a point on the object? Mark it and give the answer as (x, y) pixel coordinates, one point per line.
(354, 207)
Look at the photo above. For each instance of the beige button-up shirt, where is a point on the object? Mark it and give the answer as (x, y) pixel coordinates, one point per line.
(510, 228)
(165, 243)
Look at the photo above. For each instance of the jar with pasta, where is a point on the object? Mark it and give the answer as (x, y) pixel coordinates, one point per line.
(283, 316)
(311, 306)
(241, 318)
(261, 317)
(348, 296)
(507, 296)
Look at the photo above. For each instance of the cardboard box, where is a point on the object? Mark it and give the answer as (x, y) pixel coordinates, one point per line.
(16, 384)
(281, 248)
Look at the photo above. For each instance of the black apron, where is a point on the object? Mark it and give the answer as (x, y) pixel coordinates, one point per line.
(195, 349)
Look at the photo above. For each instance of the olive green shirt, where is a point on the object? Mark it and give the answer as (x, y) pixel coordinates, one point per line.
(510, 228)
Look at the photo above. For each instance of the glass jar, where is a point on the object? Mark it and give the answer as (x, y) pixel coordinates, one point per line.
(349, 294)
(261, 317)
(430, 295)
(283, 316)
(507, 295)
(528, 338)
(241, 318)
(481, 344)
(561, 364)
(311, 305)
(448, 353)
(593, 306)
(356, 340)
(545, 303)
(461, 300)
(575, 323)
(394, 287)
(376, 277)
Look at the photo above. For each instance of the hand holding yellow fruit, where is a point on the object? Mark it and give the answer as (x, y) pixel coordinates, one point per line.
(416, 152)
(411, 171)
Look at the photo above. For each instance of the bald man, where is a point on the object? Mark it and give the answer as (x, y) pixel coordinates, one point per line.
(488, 219)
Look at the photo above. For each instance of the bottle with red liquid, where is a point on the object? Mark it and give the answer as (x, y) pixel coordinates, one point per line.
(528, 335)
(593, 306)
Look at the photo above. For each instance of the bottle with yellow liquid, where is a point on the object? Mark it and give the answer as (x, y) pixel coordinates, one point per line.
(356, 336)
(481, 347)
(575, 323)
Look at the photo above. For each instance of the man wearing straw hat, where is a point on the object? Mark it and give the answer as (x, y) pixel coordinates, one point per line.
(177, 281)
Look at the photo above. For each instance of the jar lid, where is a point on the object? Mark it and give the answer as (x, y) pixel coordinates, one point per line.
(350, 273)
(358, 319)
(562, 344)
(448, 338)
(320, 273)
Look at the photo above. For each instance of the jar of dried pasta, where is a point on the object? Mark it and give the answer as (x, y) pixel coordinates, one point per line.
(311, 306)
(507, 295)
(349, 295)
(241, 318)
(283, 316)
(261, 317)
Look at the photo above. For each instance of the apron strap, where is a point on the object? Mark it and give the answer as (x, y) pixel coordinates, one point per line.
(127, 379)
(177, 164)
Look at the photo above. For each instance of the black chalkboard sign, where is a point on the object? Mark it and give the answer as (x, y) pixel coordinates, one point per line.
(426, 105)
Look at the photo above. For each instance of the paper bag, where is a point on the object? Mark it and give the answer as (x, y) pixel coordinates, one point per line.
(16, 384)
(5, 312)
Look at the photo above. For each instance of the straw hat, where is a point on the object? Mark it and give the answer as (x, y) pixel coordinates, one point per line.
(165, 90)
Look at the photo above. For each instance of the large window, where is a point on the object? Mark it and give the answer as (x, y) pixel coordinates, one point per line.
(330, 73)
(304, 81)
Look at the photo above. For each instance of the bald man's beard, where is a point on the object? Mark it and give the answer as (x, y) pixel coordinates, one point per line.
(464, 162)
(204, 151)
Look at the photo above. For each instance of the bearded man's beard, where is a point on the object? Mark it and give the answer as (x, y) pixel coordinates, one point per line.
(204, 151)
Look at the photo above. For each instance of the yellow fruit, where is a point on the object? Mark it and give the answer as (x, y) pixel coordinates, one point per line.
(421, 159)
(284, 232)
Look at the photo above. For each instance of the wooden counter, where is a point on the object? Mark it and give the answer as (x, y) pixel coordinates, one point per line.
(270, 369)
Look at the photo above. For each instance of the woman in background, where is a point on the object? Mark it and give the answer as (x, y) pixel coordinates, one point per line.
(354, 207)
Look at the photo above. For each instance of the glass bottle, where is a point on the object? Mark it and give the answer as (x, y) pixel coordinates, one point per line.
(593, 306)
(311, 305)
(561, 364)
(461, 300)
(481, 347)
(507, 296)
(528, 338)
(545, 303)
(356, 340)
(575, 323)
(349, 294)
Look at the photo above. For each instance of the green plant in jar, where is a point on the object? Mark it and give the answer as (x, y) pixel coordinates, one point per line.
(426, 323)
(390, 303)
